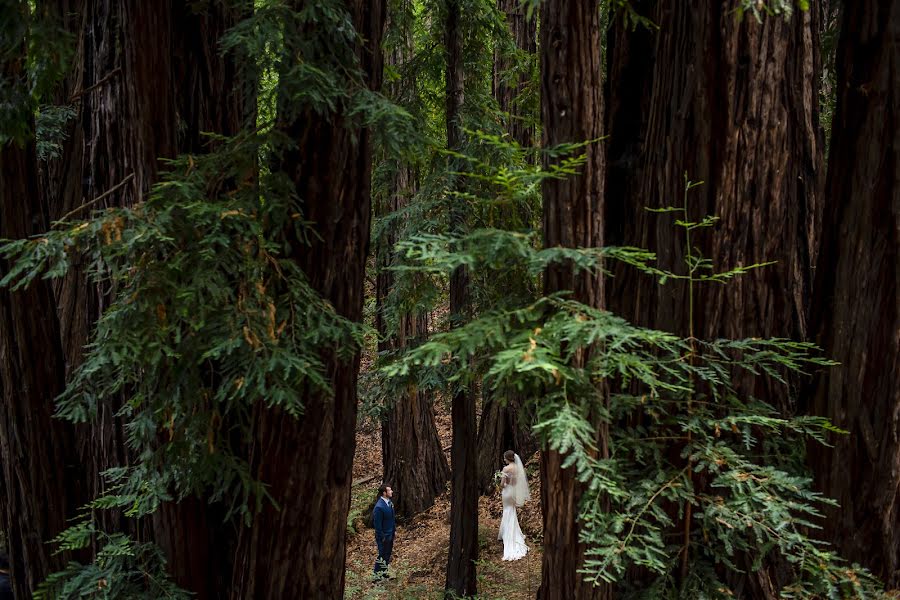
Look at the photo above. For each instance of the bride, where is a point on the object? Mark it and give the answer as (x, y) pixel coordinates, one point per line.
(515, 493)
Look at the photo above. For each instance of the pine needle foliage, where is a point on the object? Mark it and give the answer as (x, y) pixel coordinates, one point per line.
(417, 84)
(34, 54)
(121, 569)
(209, 314)
(209, 317)
(698, 474)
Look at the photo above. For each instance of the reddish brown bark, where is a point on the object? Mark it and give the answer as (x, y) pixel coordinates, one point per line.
(508, 92)
(41, 486)
(733, 103)
(414, 462)
(572, 111)
(298, 549)
(41, 478)
(857, 287)
(504, 423)
(147, 77)
(463, 550)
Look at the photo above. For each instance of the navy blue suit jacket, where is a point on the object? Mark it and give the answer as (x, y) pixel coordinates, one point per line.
(383, 519)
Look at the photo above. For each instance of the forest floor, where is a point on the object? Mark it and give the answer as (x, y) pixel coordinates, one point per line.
(420, 548)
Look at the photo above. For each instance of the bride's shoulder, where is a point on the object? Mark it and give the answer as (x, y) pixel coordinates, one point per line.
(509, 468)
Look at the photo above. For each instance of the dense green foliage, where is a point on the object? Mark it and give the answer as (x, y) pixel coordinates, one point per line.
(209, 313)
(683, 438)
(211, 316)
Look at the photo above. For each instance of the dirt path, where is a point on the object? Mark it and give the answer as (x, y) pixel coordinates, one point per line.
(420, 549)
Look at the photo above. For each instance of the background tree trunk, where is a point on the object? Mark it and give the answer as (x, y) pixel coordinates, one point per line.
(414, 462)
(463, 550)
(41, 486)
(732, 103)
(857, 287)
(508, 93)
(572, 111)
(503, 425)
(298, 550)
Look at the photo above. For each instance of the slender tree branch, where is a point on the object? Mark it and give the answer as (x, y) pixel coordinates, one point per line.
(76, 95)
(105, 194)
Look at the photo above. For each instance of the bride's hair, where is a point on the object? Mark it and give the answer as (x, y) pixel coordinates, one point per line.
(509, 456)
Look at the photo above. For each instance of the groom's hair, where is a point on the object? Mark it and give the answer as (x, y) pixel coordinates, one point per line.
(509, 455)
(383, 489)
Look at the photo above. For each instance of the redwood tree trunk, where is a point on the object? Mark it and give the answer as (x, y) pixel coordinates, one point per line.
(857, 287)
(298, 550)
(413, 460)
(41, 478)
(732, 103)
(506, 92)
(121, 86)
(745, 123)
(147, 77)
(463, 549)
(572, 111)
(503, 425)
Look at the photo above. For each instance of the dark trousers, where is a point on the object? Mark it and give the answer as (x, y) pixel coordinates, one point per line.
(385, 547)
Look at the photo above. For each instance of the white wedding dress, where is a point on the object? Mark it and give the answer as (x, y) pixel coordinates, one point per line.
(515, 493)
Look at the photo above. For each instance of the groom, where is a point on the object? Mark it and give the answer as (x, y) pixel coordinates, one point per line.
(383, 518)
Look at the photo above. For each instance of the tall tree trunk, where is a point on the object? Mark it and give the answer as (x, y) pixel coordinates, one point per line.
(41, 477)
(857, 287)
(414, 462)
(209, 98)
(297, 550)
(463, 550)
(147, 78)
(572, 111)
(504, 425)
(507, 93)
(732, 103)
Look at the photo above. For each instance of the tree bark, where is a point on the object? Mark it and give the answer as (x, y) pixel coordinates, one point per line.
(732, 103)
(298, 549)
(504, 425)
(147, 77)
(508, 93)
(857, 286)
(413, 460)
(572, 111)
(463, 549)
(41, 486)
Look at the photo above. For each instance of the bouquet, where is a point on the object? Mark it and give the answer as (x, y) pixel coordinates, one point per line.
(498, 479)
